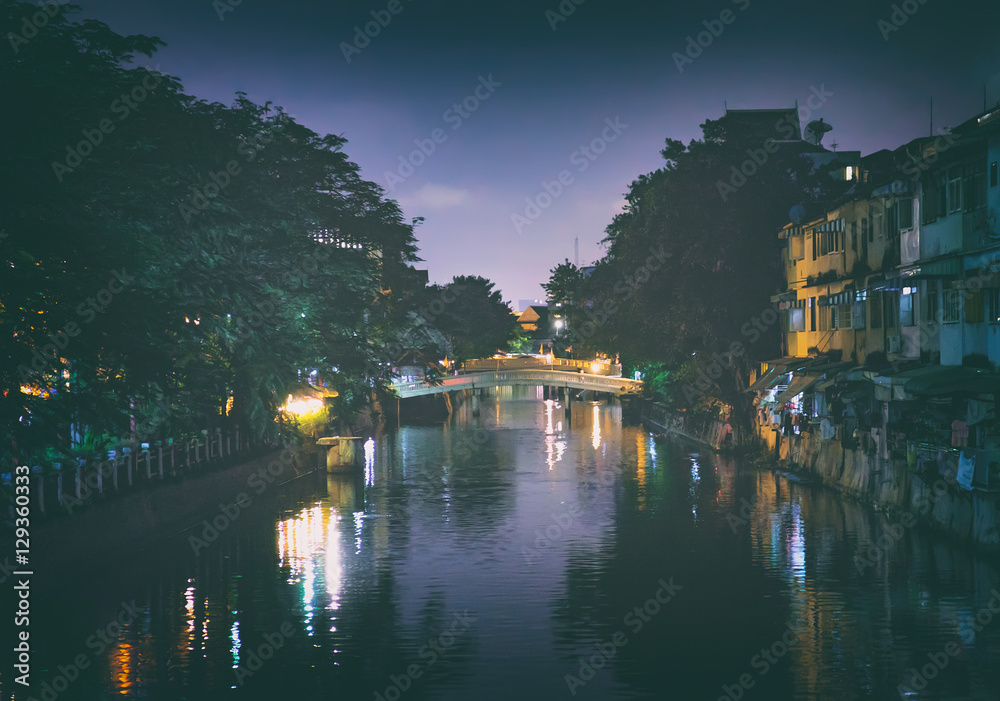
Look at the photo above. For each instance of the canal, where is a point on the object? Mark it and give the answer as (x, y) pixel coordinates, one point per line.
(510, 555)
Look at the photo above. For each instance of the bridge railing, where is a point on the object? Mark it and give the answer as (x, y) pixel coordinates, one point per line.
(545, 377)
(588, 366)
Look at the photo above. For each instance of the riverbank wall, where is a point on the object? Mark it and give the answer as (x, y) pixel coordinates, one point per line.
(930, 495)
(108, 530)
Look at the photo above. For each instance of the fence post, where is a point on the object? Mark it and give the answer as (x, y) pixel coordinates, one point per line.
(128, 463)
(79, 480)
(159, 461)
(100, 477)
(114, 475)
(59, 487)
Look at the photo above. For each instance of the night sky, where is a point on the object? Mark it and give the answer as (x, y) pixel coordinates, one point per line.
(552, 91)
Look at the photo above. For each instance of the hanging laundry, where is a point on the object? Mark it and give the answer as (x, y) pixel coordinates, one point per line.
(977, 411)
(966, 469)
(959, 433)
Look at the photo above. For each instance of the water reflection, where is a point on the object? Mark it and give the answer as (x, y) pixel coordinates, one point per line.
(550, 534)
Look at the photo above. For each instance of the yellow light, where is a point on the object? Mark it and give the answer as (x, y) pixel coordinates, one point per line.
(302, 405)
(595, 366)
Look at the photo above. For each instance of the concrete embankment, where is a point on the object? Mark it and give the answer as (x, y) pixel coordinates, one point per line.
(932, 496)
(108, 530)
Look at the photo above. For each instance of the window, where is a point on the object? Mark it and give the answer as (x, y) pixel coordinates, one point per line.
(876, 310)
(797, 319)
(905, 214)
(891, 309)
(993, 174)
(812, 313)
(844, 316)
(858, 312)
(932, 306)
(906, 306)
(974, 312)
(814, 236)
(864, 229)
(992, 305)
(824, 318)
(878, 221)
(796, 247)
(975, 185)
(854, 236)
(954, 191)
(952, 306)
(928, 204)
(893, 222)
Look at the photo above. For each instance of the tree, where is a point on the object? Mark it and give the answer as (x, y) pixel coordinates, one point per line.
(173, 262)
(475, 319)
(694, 258)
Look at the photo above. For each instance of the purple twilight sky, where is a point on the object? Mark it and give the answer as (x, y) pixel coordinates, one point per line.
(554, 78)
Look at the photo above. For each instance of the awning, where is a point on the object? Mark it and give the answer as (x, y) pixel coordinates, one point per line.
(951, 267)
(845, 297)
(951, 381)
(800, 383)
(768, 379)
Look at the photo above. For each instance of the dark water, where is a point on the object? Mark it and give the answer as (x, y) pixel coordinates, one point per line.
(487, 558)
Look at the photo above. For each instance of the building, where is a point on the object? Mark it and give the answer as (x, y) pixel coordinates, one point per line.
(891, 314)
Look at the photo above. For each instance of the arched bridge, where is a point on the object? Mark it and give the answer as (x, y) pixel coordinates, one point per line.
(525, 377)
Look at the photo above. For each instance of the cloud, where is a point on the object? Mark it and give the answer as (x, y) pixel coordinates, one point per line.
(431, 196)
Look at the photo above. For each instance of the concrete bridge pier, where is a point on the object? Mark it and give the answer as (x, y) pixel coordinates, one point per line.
(475, 401)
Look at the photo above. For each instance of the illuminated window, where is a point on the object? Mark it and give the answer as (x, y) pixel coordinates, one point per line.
(906, 306)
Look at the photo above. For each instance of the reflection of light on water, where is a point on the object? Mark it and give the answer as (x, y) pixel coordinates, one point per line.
(548, 416)
(695, 479)
(596, 435)
(652, 451)
(797, 545)
(640, 471)
(234, 635)
(123, 666)
(358, 521)
(370, 461)
(301, 541)
(553, 450)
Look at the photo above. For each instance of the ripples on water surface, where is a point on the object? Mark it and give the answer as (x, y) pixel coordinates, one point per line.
(483, 559)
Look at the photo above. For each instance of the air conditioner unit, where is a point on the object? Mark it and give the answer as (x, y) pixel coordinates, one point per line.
(892, 344)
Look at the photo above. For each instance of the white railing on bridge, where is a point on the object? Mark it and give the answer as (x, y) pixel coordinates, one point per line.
(506, 378)
(592, 367)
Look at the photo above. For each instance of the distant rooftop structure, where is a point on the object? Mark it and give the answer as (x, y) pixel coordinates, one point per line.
(781, 124)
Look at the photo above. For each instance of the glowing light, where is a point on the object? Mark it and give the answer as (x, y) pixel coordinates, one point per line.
(595, 367)
(302, 405)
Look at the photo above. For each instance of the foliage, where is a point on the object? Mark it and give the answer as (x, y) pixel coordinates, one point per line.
(178, 267)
